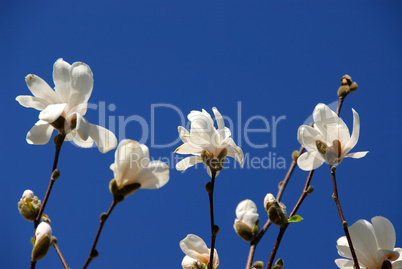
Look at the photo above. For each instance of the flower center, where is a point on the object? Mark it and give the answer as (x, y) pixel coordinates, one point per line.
(331, 154)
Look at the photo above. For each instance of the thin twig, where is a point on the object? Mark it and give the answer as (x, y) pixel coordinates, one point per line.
(211, 210)
(254, 243)
(56, 247)
(283, 229)
(50, 186)
(103, 219)
(344, 223)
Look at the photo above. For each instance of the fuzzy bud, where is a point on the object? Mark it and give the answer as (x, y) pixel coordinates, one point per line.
(257, 265)
(309, 190)
(55, 174)
(295, 155)
(42, 244)
(29, 205)
(277, 214)
(278, 264)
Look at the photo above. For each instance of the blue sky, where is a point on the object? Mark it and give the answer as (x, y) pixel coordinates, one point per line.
(156, 60)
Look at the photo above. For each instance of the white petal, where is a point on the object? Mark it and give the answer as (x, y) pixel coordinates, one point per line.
(324, 114)
(195, 247)
(344, 264)
(307, 135)
(188, 262)
(187, 148)
(355, 133)
(75, 137)
(236, 153)
(62, 79)
(202, 124)
(397, 265)
(357, 155)
(246, 211)
(41, 89)
(154, 176)
(310, 161)
(81, 85)
(188, 162)
(40, 133)
(223, 132)
(385, 232)
(104, 139)
(52, 112)
(82, 127)
(364, 240)
(32, 101)
(42, 229)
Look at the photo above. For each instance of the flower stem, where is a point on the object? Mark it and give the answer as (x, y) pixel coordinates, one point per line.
(93, 252)
(211, 210)
(254, 243)
(56, 247)
(344, 223)
(58, 143)
(283, 229)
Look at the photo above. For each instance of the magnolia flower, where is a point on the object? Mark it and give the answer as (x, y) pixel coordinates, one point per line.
(204, 138)
(268, 200)
(276, 210)
(247, 218)
(64, 108)
(43, 235)
(132, 166)
(197, 253)
(373, 243)
(328, 140)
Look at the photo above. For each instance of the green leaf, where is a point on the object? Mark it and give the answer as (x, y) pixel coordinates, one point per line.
(295, 218)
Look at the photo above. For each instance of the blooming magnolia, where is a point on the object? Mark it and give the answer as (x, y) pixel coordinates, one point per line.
(247, 218)
(132, 166)
(204, 138)
(374, 245)
(328, 140)
(197, 253)
(64, 108)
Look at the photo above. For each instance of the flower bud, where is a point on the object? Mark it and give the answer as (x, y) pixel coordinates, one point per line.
(309, 190)
(29, 205)
(268, 200)
(278, 264)
(43, 236)
(247, 219)
(257, 265)
(55, 174)
(277, 214)
(346, 80)
(295, 155)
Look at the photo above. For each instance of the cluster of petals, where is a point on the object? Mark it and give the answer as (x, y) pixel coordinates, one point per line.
(204, 137)
(329, 139)
(246, 212)
(373, 243)
(197, 253)
(68, 101)
(28, 194)
(132, 165)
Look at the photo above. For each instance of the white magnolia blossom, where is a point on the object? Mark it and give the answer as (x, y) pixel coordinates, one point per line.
(373, 243)
(132, 165)
(65, 107)
(204, 137)
(43, 229)
(328, 140)
(197, 253)
(246, 212)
